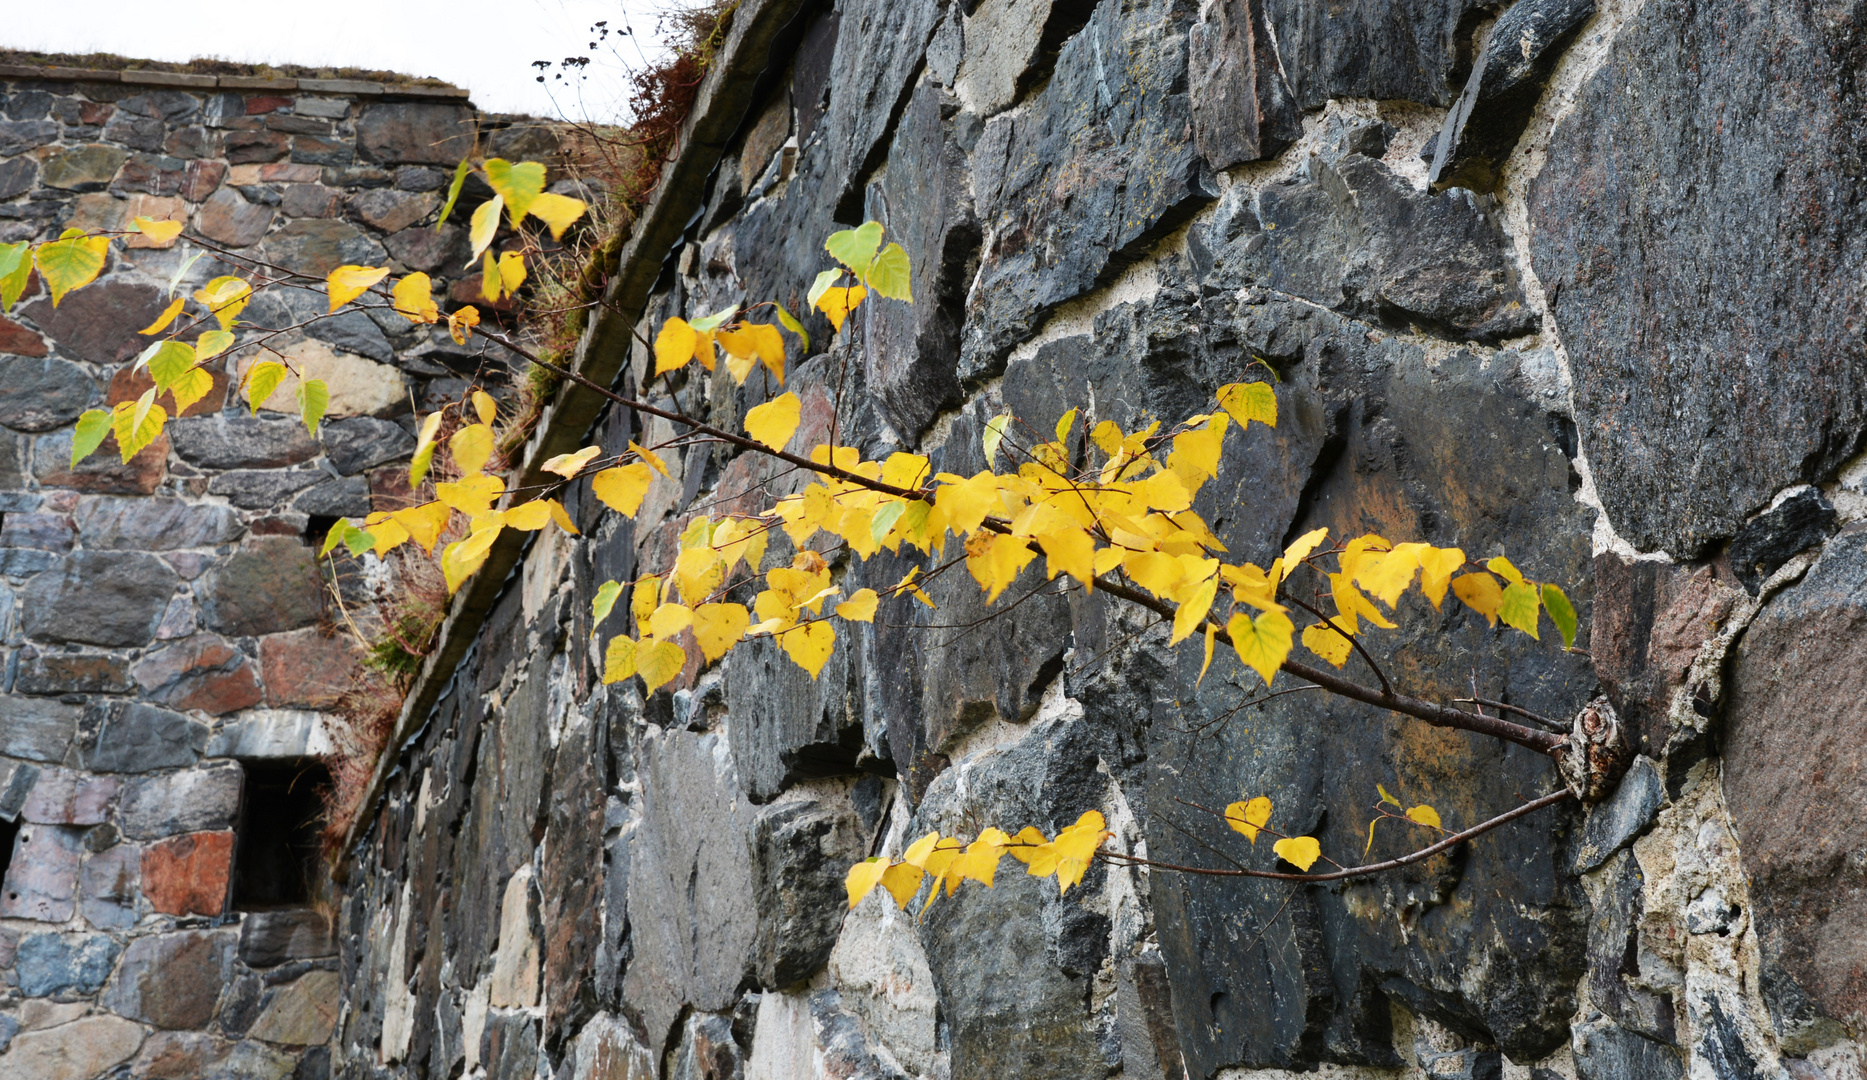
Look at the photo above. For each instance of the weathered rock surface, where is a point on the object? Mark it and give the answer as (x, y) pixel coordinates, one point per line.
(800, 853)
(1687, 242)
(270, 585)
(155, 524)
(99, 598)
(196, 800)
(172, 980)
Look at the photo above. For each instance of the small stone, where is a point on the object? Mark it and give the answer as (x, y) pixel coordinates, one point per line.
(285, 172)
(65, 797)
(172, 980)
(301, 1013)
(153, 524)
(196, 800)
(425, 248)
(348, 497)
(315, 247)
(514, 982)
(232, 441)
(200, 673)
(17, 780)
(1763, 545)
(136, 132)
(392, 211)
(113, 599)
(250, 147)
(262, 490)
(39, 730)
(108, 886)
(310, 201)
(307, 667)
(257, 1061)
(82, 167)
(201, 178)
(75, 1051)
(44, 532)
(1619, 819)
(1710, 913)
(362, 442)
(294, 124)
(415, 178)
(64, 963)
(19, 341)
(42, 881)
(358, 387)
(188, 874)
(270, 585)
(21, 135)
(1606, 1051)
(189, 143)
(315, 150)
(38, 394)
(229, 219)
(17, 176)
(98, 323)
(104, 472)
(268, 938)
(328, 108)
(52, 673)
(134, 737)
(416, 134)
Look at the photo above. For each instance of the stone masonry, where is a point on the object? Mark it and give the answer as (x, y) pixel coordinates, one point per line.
(164, 626)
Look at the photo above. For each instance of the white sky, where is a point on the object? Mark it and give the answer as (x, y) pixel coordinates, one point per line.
(486, 46)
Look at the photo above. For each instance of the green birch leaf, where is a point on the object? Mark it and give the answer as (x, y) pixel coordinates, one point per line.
(1561, 612)
(789, 322)
(603, 603)
(1520, 606)
(92, 429)
(453, 191)
(890, 274)
(855, 248)
(314, 400)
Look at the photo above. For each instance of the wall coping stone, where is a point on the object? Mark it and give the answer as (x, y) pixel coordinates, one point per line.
(152, 77)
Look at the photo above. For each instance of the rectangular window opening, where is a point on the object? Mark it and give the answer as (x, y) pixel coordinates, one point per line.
(278, 839)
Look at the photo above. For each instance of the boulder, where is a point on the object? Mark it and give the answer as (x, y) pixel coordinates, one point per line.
(200, 672)
(801, 851)
(308, 667)
(99, 322)
(84, 1048)
(364, 442)
(316, 246)
(228, 219)
(82, 168)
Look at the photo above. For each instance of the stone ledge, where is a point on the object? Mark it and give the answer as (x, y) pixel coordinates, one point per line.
(150, 77)
(168, 78)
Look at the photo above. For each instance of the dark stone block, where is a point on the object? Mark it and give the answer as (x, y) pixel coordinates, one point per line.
(1492, 112)
(98, 323)
(1623, 816)
(1788, 778)
(1689, 244)
(1606, 1051)
(232, 441)
(196, 800)
(801, 852)
(1381, 49)
(414, 134)
(37, 729)
(268, 938)
(173, 980)
(253, 147)
(270, 585)
(1762, 546)
(869, 82)
(570, 880)
(1243, 109)
(135, 132)
(364, 442)
(43, 393)
(263, 490)
(317, 246)
(99, 598)
(153, 524)
(55, 673)
(348, 497)
(426, 249)
(19, 136)
(156, 174)
(131, 737)
(17, 176)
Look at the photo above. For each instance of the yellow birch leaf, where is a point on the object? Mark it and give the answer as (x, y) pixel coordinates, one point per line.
(424, 448)
(1072, 552)
(460, 323)
(994, 434)
(1519, 607)
(1352, 606)
(1502, 567)
(674, 346)
(809, 645)
(189, 387)
(529, 516)
(471, 447)
(389, 536)
(424, 523)
(604, 601)
(1212, 633)
(622, 488)
(1562, 613)
(774, 422)
(1192, 612)
(1249, 401)
(558, 212)
(1424, 815)
(490, 280)
(1437, 566)
(619, 659)
(1388, 576)
(413, 299)
(718, 627)
(1480, 592)
(1024, 846)
(1300, 549)
(1262, 643)
(471, 495)
(659, 663)
(71, 262)
(995, 561)
(837, 302)
(860, 607)
(511, 271)
(485, 407)
(168, 316)
(1249, 817)
(518, 184)
(902, 881)
(162, 233)
(1327, 643)
(645, 599)
(1299, 851)
(460, 559)
(562, 517)
(967, 503)
(863, 878)
(669, 620)
(212, 344)
(484, 224)
(919, 851)
(980, 862)
(1385, 797)
(569, 465)
(651, 459)
(346, 283)
(769, 345)
(137, 423)
(225, 296)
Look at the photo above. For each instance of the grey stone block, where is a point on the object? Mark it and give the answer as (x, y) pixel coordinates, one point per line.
(52, 964)
(192, 801)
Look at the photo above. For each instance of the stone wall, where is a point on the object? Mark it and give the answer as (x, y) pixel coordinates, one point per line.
(165, 630)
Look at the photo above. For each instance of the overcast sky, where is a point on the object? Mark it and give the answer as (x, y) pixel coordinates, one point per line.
(483, 45)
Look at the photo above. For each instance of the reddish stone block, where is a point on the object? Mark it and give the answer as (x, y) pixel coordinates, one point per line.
(128, 385)
(389, 489)
(94, 112)
(104, 472)
(187, 874)
(202, 672)
(256, 106)
(201, 177)
(18, 340)
(305, 667)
